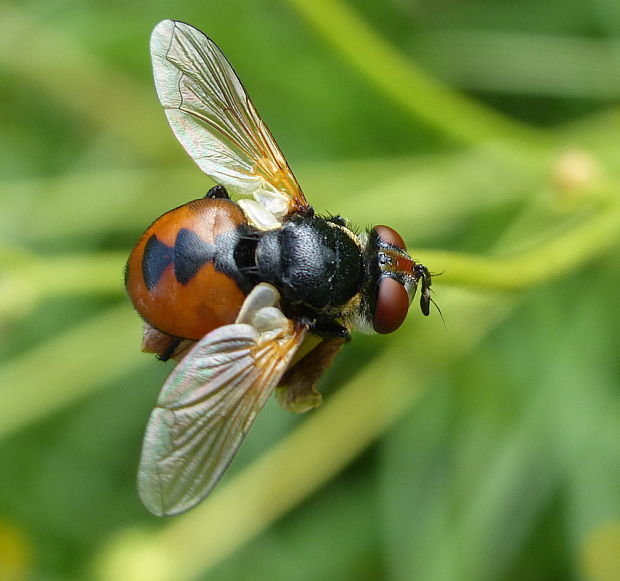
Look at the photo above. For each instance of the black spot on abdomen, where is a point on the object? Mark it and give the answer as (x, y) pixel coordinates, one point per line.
(191, 253)
(157, 257)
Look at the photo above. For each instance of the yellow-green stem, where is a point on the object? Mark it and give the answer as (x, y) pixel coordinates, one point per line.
(323, 444)
(397, 76)
(565, 253)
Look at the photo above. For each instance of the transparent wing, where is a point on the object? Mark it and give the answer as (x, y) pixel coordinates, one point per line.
(206, 407)
(215, 120)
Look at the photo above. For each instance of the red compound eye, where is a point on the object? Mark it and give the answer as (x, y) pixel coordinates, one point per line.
(392, 306)
(390, 236)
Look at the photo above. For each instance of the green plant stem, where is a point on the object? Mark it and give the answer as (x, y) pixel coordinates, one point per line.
(34, 279)
(61, 370)
(398, 77)
(567, 252)
(321, 446)
(27, 279)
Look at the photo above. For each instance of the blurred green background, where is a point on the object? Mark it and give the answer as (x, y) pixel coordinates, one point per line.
(487, 133)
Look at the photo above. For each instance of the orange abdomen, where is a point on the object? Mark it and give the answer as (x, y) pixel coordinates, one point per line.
(181, 276)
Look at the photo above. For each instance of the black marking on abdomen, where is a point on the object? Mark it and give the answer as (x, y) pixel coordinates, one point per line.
(232, 253)
(191, 253)
(157, 257)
